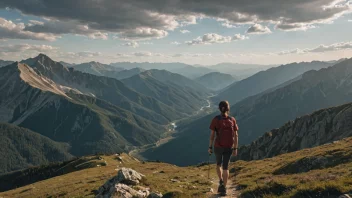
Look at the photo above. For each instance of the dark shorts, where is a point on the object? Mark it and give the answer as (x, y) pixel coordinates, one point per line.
(223, 156)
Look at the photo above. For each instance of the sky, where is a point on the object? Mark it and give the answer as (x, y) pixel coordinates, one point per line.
(190, 31)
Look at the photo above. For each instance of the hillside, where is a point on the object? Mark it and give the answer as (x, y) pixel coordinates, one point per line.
(216, 80)
(259, 114)
(97, 69)
(109, 89)
(267, 79)
(318, 172)
(63, 114)
(192, 72)
(67, 64)
(4, 63)
(127, 73)
(22, 148)
(241, 71)
(183, 99)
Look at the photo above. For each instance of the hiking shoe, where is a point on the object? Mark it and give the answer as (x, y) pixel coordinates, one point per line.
(222, 190)
(221, 183)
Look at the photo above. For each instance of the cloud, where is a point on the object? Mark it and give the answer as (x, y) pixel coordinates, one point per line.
(11, 30)
(143, 34)
(320, 49)
(142, 54)
(226, 23)
(26, 47)
(294, 27)
(175, 43)
(212, 38)
(131, 44)
(350, 20)
(258, 29)
(57, 27)
(128, 17)
(184, 31)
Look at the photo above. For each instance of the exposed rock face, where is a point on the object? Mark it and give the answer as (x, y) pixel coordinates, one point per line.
(321, 127)
(129, 176)
(118, 185)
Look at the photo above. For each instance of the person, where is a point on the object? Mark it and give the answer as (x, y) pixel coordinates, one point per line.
(226, 143)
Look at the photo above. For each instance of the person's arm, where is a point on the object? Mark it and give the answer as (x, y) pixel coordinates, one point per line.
(235, 143)
(211, 140)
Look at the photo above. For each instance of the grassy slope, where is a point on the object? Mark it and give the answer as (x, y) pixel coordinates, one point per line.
(262, 178)
(21, 148)
(280, 176)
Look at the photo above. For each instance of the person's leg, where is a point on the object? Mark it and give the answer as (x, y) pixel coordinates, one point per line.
(225, 165)
(218, 155)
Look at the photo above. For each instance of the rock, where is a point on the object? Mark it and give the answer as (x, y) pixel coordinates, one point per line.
(162, 172)
(119, 158)
(211, 190)
(155, 195)
(123, 191)
(345, 196)
(174, 180)
(129, 176)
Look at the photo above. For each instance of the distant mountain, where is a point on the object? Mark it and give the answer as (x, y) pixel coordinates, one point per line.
(216, 80)
(182, 98)
(127, 73)
(321, 127)
(4, 63)
(240, 71)
(266, 79)
(67, 64)
(91, 113)
(147, 66)
(98, 69)
(21, 148)
(263, 112)
(192, 72)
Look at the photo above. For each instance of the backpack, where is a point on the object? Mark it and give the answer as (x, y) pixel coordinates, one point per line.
(224, 134)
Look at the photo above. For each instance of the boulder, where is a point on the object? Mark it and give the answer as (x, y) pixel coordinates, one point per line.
(129, 176)
(122, 191)
(155, 195)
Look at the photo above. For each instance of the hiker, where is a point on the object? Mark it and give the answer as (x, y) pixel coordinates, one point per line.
(226, 143)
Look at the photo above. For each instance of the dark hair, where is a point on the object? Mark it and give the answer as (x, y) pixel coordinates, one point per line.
(224, 106)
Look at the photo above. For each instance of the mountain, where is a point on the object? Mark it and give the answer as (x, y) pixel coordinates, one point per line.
(181, 98)
(4, 63)
(321, 127)
(192, 72)
(67, 64)
(127, 73)
(216, 80)
(92, 114)
(98, 69)
(258, 114)
(22, 148)
(148, 66)
(264, 80)
(109, 89)
(241, 71)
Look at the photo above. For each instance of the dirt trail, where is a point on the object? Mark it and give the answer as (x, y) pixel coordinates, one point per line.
(231, 190)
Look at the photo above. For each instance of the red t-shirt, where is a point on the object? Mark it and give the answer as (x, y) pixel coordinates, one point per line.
(215, 125)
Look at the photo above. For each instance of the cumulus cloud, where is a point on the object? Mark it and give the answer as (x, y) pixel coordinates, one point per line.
(11, 30)
(226, 23)
(258, 29)
(64, 27)
(26, 47)
(143, 34)
(131, 44)
(175, 43)
(184, 31)
(142, 54)
(169, 14)
(212, 38)
(319, 49)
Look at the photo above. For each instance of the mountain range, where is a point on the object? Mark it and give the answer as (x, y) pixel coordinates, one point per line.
(216, 80)
(98, 69)
(4, 63)
(260, 113)
(267, 79)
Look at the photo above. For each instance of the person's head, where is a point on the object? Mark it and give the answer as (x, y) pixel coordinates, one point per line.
(224, 107)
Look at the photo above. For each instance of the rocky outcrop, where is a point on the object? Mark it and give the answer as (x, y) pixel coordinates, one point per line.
(321, 127)
(124, 185)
